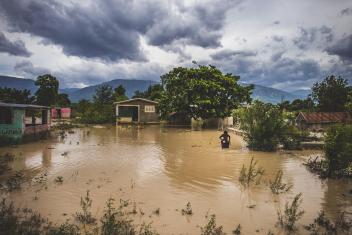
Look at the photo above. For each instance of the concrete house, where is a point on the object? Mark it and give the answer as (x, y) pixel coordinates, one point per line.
(136, 110)
(319, 121)
(23, 120)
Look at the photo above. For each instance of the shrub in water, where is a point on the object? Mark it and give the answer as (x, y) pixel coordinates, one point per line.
(292, 213)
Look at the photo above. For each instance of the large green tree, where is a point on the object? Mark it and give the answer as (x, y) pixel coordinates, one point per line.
(12, 95)
(331, 95)
(48, 90)
(201, 92)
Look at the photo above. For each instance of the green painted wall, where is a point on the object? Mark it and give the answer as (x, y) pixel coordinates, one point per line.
(14, 130)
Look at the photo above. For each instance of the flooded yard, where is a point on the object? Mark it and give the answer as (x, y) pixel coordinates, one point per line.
(166, 168)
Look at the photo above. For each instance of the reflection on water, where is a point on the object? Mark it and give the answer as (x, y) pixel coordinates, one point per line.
(166, 168)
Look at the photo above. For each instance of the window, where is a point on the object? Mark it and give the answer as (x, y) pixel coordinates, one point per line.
(149, 109)
(5, 116)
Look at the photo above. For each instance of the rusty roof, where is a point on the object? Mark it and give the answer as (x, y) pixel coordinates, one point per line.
(326, 117)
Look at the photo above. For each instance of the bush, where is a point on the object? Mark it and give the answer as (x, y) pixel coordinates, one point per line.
(291, 214)
(338, 148)
(266, 125)
(263, 126)
(96, 114)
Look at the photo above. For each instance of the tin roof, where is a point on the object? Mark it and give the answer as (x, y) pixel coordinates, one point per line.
(23, 106)
(126, 101)
(325, 117)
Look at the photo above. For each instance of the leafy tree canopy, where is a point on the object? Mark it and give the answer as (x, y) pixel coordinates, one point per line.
(119, 94)
(331, 95)
(103, 95)
(47, 92)
(63, 100)
(153, 92)
(297, 105)
(12, 95)
(202, 92)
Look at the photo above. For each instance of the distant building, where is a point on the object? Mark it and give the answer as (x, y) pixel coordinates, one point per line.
(60, 113)
(23, 120)
(136, 110)
(319, 121)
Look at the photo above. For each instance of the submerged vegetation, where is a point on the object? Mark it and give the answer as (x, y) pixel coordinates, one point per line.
(337, 159)
(277, 186)
(211, 227)
(322, 225)
(292, 213)
(252, 174)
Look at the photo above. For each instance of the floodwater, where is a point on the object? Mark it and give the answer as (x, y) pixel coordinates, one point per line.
(166, 168)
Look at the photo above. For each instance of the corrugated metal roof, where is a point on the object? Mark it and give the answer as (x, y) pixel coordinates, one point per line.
(126, 101)
(23, 106)
(326, 117)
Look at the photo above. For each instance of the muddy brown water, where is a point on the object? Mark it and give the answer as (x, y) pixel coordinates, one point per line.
(166, 168)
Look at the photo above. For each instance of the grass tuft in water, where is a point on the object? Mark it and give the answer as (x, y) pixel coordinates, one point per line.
(252, 174)
(237, 230)
(187, 210)
(85, 217)
(277, 186)
(291, 214)
(59, 180)
(211, 228)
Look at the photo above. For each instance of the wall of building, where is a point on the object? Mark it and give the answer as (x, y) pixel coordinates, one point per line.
(14, 130)
(144, 116)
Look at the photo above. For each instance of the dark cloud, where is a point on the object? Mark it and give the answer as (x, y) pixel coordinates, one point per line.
(229, 54)
(276, 56)
(276, 22)
(342, 48)
(198, 25)
(81, 31)
(346, 11)
(16, 48)
(27, 69)
(308, 36)
(111, 29)
(278, 71)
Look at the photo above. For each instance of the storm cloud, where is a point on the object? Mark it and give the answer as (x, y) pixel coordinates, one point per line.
(16, 48)
(342, 48)
(287, 44)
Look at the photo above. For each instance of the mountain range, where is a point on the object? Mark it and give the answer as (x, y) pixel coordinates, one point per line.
(263, 93)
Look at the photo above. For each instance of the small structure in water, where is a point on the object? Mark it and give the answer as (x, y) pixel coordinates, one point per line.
(319, 121)
(18, 121)
(137, 110)
(60, 113)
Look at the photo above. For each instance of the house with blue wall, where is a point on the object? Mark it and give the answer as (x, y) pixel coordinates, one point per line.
(18, 121)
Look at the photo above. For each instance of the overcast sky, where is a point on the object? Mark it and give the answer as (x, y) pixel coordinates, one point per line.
(278, 43)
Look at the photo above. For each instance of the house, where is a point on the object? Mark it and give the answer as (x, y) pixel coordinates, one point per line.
(60, 113)
(23, 120)
(318, 121)
(136, 110)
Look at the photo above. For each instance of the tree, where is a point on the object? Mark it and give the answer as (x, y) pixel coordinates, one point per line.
(154, 92)
(119, 94)
(12, 95)
(202, 92)
(47, 92)
(63, 100)
(331, 94)
(103, 95)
